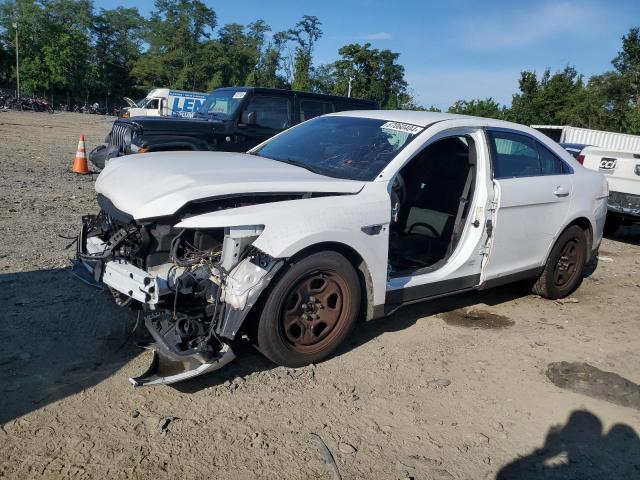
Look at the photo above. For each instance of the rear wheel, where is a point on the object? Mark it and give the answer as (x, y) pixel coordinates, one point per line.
(310, 310)
(563, 271)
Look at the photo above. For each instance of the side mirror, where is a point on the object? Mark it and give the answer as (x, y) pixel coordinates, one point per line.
(248, 118)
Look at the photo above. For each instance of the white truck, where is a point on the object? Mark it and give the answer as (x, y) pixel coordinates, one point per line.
(163, 102)
(622, 170)
(617, 156)
(621, 142)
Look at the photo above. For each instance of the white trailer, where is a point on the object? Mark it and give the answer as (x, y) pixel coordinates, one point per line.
(620, 142)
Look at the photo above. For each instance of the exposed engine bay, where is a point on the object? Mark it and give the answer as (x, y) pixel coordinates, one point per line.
(193, 287)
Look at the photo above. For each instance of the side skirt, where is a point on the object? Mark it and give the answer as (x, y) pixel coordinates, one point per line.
(406, 296)
(512, 278)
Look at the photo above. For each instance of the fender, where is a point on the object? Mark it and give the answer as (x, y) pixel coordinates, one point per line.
(359, 221)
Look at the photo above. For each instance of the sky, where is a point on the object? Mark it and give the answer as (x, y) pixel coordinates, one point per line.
(453, 49)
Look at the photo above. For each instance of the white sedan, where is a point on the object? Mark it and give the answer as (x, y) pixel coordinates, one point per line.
(346, 216)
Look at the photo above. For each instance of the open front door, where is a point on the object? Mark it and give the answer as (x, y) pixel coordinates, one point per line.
(438, 244)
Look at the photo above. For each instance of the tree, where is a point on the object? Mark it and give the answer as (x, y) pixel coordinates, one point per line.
(374, 75)
(118, 43)
(479, 108)
(176, 35)
(627, 64)
(306, 32)
(55, 44)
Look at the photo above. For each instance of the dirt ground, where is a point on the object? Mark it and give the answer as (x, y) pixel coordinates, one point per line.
(496, 384)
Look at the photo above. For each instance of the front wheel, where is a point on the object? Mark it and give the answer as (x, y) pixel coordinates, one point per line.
(563, 271)
(311, 309)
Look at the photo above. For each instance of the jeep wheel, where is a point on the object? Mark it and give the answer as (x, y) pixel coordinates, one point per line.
(563, 271)
(310, 310)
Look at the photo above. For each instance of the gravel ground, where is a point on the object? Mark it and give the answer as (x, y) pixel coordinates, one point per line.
(498, 384)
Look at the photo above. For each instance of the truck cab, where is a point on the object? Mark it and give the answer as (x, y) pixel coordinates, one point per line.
(233, 119)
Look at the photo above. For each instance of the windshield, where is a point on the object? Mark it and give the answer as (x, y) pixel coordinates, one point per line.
(221, 102)
(143, 102)
(343, 147)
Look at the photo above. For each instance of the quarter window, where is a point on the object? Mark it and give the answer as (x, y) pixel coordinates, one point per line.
(517, 155)
(549, 163)
(271, 112)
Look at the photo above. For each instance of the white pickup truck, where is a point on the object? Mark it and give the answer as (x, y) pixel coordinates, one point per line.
(622, 170)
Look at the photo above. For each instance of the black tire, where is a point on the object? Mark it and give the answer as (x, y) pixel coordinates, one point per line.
(611, 225)
(563, 271)
(310, 310)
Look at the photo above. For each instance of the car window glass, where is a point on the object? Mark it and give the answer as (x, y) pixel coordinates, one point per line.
(313, 108)
(153, 104)
(343, 147)
(550, 164)
(514, 155)
(271, 112)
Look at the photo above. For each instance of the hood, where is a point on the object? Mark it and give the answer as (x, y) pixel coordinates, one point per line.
(170, 124)
(159, 184)
(130, 102)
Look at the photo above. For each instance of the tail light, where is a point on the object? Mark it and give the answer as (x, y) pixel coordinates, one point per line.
(580, 159)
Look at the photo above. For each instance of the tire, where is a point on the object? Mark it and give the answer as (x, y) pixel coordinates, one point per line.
(310, 310)
(563, 271)
(611, 225)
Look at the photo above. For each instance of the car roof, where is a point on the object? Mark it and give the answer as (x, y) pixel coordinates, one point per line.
(319, 96)
(425, 119)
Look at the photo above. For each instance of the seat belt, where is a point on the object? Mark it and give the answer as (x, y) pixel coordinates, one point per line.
(463, 202)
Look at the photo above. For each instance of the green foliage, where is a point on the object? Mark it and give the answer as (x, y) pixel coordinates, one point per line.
(375, 75)
(479, 108)
(66, 48)
(306, 32)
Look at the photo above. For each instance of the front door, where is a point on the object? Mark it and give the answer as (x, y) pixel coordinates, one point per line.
(273, 114)
(533, 193)
(460, 268)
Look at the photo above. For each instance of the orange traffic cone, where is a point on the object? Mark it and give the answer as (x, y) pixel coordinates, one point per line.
(80, 162)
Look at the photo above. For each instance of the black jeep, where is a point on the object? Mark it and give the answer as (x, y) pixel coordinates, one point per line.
(231, 120)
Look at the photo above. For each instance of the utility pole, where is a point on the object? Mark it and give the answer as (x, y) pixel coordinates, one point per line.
(15, 25)
(349, 91)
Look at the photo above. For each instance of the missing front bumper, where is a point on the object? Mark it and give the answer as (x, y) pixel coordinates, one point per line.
(164, 371)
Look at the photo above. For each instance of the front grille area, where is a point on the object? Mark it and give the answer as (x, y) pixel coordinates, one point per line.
(118, 134)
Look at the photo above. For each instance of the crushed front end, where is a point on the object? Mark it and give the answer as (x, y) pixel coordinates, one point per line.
(194, 287)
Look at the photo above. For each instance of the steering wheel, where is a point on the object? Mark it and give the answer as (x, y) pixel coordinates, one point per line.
(431, 228)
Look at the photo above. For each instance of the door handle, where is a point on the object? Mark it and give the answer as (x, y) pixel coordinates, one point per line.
(561, 192)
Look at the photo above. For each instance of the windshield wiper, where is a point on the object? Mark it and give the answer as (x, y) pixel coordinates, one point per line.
(301, 165)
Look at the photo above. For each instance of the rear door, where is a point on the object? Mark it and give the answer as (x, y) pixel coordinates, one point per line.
(533, 190)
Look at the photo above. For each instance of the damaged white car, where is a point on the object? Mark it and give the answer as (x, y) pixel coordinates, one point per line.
(346, 216)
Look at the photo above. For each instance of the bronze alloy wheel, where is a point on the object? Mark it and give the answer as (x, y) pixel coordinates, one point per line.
(309, 310)
(566, 267)
(313, 310)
